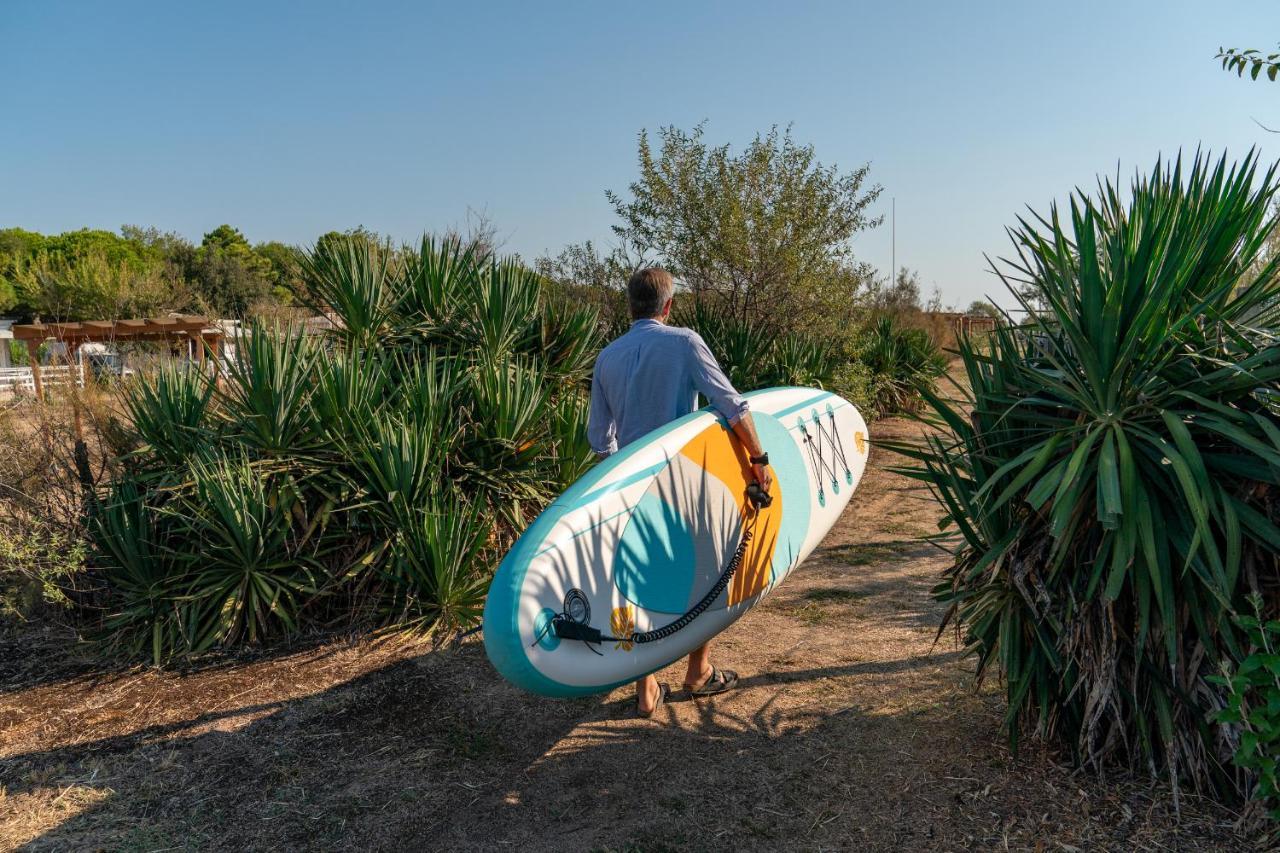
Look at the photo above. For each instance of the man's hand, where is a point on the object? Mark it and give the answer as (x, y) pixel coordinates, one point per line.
(763, 476)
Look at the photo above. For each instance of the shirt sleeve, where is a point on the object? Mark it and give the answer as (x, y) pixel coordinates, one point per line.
(711, 382)
(602, 429)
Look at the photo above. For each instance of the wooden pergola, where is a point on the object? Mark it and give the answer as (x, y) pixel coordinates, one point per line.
(73, 335)
(968, 323)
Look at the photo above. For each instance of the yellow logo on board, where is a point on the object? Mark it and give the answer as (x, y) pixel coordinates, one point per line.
(623, 623)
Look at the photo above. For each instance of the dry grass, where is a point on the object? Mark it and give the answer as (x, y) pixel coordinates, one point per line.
(852, 732)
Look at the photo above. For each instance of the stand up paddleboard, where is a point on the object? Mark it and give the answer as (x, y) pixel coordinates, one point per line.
(662, 546)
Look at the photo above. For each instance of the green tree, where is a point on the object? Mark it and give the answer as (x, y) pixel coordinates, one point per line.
(900, 297)
(16, 248)
(766, 233)
(286, 272)
(583, 273)
(983, 308)
(165, 245)
(95, 241)
(90, 285)
(1252, 61)
(85, 274)
(8, 295)
(17, 244)
(228, 277)
(334, 239)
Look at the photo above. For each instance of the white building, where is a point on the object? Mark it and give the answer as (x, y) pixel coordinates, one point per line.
(6, 338)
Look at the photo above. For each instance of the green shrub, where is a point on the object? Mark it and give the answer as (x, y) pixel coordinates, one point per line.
(374, 477)
(1253, 705)
(902, 362)
(1110, 479)
(36, 563)
(755, 356)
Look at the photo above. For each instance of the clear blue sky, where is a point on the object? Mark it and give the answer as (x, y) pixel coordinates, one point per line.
(291, 119)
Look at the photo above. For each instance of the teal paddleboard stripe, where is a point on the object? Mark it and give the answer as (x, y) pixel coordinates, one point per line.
(802, 405)
(613, 487)
(795, 427)
(575, 534)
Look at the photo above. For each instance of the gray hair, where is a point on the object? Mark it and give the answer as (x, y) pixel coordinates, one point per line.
(648, 290)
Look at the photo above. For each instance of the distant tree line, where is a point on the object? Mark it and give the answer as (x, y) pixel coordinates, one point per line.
(92, 274)
(97, 274)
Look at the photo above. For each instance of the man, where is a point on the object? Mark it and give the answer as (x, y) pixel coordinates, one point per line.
(649, 377)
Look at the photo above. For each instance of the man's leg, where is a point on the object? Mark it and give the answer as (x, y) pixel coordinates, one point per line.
(647, 691)
(699, 667)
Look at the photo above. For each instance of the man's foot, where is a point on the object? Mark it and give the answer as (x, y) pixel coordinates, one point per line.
(716, 681)
(656, 702)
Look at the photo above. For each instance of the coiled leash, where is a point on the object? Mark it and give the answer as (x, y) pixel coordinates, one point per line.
(572, 622)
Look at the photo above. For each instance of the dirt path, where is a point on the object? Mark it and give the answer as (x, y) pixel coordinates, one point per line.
(851, 730)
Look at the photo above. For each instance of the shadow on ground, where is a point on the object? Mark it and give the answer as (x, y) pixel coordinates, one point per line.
(433, 752)
(421, 749)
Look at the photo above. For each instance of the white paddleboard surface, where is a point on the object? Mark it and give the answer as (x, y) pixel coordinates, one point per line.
(646, 534)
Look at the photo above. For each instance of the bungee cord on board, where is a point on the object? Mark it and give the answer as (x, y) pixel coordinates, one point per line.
(822, 470)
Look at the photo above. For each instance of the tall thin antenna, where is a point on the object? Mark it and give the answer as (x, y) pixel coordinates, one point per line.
(893, 241)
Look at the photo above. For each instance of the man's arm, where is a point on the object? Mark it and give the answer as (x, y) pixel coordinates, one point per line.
(711, 382)
(602, 430)
(745, 429)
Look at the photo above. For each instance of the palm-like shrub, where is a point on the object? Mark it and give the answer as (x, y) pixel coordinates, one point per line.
(754, 356)
(1111, 472)
(373, 476)
(902, 361)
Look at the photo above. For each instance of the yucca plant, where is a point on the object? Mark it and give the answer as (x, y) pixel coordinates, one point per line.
(437, 279)
(1110, 473)
(240, 543)
(742, 347)
(754, 356)
(433, 560)
(501, 315)
(143, 617)
(507, 437)
(267, 401)
(352, 390)
(369, 478)
(169, 413)
(356, 281)
(569, 340)
(796, 359)
(903, 361)
(573, 455)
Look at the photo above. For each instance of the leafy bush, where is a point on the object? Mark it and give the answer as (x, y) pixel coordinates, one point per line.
(903, 361)
(371, 477)
(1111, 478)
(36, 563)
(1253, 704)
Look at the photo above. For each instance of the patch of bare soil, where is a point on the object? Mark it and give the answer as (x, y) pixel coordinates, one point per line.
(851, 730)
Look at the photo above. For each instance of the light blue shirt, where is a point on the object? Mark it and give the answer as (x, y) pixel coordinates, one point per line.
(649, 377)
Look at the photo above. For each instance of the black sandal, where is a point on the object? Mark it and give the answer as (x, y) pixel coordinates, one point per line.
(663, 692)
(717, 682)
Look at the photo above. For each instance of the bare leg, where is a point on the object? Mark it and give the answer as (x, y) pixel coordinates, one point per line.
(699, 667)
(647, 691)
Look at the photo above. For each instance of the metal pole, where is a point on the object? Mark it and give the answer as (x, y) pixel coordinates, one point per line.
(893, 240)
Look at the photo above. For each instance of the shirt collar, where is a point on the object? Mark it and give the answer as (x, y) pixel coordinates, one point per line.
(647, 321)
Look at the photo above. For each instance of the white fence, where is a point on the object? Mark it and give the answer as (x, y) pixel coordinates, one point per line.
(18, 380)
